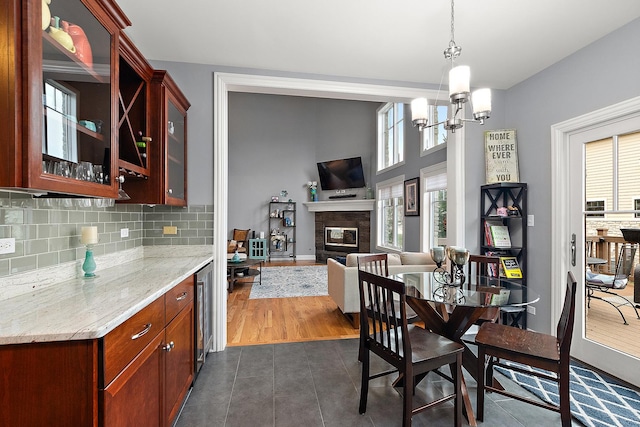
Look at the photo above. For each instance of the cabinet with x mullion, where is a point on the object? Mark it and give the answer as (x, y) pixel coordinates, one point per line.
(503, 233)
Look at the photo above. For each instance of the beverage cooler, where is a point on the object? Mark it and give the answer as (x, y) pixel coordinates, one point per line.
(204, 320)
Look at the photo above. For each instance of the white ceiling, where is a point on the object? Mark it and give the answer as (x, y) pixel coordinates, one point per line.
(504, 41)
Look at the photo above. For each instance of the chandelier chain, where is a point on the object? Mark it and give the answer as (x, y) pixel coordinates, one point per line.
(453, 42)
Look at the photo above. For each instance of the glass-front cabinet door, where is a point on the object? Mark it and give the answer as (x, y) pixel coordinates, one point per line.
(71, 100)
(176, 167)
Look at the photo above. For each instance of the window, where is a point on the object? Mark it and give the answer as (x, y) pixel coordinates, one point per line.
(390, 214)
(435, 136)
(595, 206)
(390, 135)
(434, 185)
(59, 136)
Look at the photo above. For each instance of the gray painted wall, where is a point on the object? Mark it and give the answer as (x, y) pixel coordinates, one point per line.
(274, 144)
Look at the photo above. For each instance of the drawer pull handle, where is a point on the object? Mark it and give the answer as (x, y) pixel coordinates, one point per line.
(168, 347)
(182, 296)
(146, 329)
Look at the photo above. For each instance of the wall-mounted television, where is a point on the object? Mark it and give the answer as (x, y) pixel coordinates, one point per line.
(341, 174)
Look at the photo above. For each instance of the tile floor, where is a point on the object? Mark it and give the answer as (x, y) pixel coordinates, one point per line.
(318, 384)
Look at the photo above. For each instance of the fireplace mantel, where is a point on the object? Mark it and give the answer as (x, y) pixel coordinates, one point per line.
(341, 205)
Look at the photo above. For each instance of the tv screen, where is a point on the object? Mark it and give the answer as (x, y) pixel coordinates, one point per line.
(341, 174)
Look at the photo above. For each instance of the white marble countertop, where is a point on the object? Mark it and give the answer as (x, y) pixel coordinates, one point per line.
(79, 308)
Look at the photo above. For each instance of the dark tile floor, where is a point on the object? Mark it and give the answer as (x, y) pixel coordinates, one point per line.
(318, 384)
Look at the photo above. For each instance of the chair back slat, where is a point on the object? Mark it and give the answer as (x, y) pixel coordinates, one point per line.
(482, 265)
(385, 320)
(375, 263)
(564, 330)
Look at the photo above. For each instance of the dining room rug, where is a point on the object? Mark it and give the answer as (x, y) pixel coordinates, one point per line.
(286, 282)
(596, 400)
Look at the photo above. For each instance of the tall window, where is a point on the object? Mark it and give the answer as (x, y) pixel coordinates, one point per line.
(390, 214)
(390, 135)
(437, 135)
(434, 184)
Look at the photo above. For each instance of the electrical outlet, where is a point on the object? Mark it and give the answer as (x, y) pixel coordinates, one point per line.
(531, 310)
(124, 232)
(530, 220)
(8, 246)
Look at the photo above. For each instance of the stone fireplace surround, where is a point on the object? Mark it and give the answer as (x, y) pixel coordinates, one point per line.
(358, 219)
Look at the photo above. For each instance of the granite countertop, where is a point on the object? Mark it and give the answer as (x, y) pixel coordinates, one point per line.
(79, 308)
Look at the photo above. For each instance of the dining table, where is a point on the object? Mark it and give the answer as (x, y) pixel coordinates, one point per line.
(451, 310)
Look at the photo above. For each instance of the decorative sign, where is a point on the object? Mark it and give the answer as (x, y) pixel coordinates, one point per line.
(501, 156)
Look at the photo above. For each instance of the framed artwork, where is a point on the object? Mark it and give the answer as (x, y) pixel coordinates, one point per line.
(412, 197)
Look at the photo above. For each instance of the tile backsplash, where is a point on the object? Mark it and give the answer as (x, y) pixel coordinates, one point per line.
(47, 231)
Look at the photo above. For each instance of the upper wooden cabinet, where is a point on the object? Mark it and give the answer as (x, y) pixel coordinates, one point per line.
(167, 183)
(57, 95)
(133, 103)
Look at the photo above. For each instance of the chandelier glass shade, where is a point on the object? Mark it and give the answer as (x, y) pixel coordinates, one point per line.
(459, 94)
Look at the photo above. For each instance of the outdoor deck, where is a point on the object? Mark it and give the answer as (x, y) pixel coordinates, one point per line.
(604, 325)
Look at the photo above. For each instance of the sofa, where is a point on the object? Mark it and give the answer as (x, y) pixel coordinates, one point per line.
(343, 278)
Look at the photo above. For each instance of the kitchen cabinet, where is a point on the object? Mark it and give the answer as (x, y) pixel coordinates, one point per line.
(134, 93)
(151, 387)
(138, 374)
(167, 182)
(58, 108)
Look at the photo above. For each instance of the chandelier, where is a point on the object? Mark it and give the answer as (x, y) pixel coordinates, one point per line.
(458, 94)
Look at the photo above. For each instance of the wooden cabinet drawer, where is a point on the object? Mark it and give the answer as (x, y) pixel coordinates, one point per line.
(122, 344)
(178, 298)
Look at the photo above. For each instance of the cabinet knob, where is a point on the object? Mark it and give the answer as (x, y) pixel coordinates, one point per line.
(168, 347)
(170, 191)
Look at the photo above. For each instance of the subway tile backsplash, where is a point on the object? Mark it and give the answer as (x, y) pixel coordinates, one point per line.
(47, 231)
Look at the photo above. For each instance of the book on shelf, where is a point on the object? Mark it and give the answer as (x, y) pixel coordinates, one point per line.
(510, 267)
(500, 236)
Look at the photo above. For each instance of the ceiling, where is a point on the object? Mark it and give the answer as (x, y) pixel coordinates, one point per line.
(504, 41)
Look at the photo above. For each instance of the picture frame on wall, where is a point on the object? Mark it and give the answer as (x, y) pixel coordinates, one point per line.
(412, 197)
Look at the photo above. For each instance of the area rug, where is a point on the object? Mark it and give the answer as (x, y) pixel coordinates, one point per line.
(596, 401)
(286, 282)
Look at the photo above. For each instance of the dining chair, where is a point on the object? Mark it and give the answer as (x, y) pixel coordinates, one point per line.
(498, 342)
(411, 350)
(607, 283)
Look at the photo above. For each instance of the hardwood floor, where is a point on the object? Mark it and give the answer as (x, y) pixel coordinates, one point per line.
(281, 320)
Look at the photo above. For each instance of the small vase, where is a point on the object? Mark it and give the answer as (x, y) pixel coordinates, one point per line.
(89, 265)
(235, 257)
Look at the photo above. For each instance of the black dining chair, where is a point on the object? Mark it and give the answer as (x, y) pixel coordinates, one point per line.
(498, 342)
(411, 350)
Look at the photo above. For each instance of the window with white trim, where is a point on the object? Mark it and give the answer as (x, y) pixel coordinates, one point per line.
(390, 135)
(434, 185)
(437, 135)
(390, 214)
(596, 206)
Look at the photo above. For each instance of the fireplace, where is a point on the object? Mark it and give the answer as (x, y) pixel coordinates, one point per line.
(341, 239)
(338, 233)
